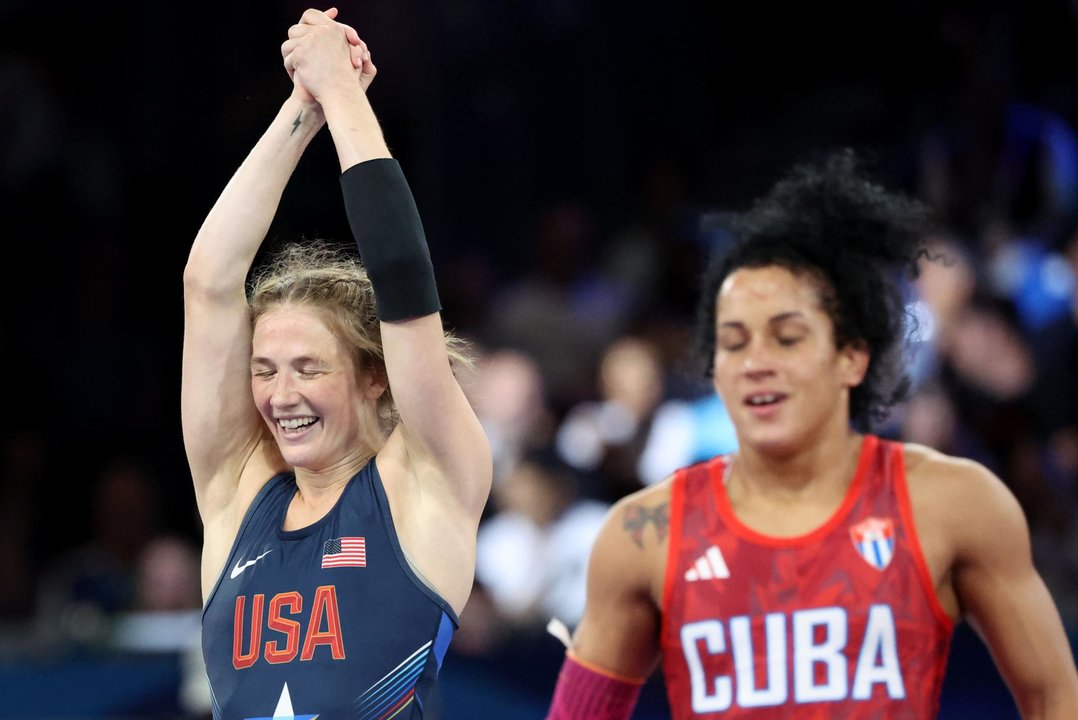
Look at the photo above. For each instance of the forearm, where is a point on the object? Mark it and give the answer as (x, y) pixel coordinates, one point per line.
(355, 129)
(230, 236)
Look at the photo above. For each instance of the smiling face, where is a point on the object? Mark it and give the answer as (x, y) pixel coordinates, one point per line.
(777, 369)
(318, 408)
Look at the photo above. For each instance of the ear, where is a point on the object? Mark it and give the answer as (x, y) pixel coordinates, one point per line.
(853, 363)
(373, 383)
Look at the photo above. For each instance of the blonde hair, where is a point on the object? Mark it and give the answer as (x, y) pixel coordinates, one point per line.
(335, 285)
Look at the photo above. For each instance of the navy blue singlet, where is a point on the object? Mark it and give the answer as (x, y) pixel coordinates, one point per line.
(326, 622)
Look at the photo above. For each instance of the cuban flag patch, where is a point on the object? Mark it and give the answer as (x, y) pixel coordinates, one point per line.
(874, 539)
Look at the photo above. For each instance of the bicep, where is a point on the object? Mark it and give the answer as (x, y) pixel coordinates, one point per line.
(620, 628)
(221, 427)
(1010, 607)
(441, 431)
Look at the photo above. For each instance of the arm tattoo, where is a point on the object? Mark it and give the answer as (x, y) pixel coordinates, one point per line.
(637, 518)
(295, 124)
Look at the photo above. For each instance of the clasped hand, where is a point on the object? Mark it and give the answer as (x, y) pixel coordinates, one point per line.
(321, 54)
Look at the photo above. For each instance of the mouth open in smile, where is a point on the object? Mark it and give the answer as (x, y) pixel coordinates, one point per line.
(764, 403)
(296, 427)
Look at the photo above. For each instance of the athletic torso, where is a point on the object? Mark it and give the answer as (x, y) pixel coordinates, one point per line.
(328, 620)
(841, 622)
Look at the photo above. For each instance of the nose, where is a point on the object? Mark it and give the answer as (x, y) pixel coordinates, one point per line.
(284, 391)
(757, 363)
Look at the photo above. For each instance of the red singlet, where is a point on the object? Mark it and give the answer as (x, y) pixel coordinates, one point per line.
(843, 622)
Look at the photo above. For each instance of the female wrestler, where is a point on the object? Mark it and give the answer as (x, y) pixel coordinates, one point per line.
(818, 572)
(338, 468)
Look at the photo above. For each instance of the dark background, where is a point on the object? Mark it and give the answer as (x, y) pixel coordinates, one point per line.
(120, 122)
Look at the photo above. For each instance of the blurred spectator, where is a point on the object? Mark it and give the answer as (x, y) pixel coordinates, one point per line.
(84, 589)
(988, 370)
(1039, 282)
(167, 577)
(943, 289)
(532, 555)
(509, 398)
(563, 311)
(981, 332)
(1056, 351)
(930, 420)
(166, 614)
(606, 438)
(997, 378)
(686, 432)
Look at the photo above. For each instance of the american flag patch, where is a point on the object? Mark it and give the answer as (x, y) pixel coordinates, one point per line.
(345, 552)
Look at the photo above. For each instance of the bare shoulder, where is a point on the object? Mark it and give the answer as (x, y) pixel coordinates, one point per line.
(621, 624)
(630, 551)
(962, 495)
(644, 516)
(949, 478)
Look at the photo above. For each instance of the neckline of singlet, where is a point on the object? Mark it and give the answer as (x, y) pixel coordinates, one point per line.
(308, 530)
(719, 478)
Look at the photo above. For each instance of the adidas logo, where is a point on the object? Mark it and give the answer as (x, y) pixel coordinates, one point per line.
(710, 566)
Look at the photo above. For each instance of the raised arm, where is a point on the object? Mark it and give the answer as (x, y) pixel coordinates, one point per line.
(445, 449)
(221, 426)
(229, 457)
(1006, 600)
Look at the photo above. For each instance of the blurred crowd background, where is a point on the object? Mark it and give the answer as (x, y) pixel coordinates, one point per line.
(568, 157)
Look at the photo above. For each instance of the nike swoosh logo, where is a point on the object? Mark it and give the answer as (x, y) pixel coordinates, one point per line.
(240, 568)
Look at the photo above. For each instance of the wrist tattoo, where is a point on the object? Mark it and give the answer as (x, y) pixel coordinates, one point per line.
(637, 518)
(295, 124)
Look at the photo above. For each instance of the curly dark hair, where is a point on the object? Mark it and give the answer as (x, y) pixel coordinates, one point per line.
(827, 220)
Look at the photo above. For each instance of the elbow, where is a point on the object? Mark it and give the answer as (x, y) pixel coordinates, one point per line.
(193, 277)
(1054, 702)
(200, 283)
(196, 272)
(197, 282)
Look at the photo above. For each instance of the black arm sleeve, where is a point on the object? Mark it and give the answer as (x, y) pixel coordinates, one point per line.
(389, 233)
